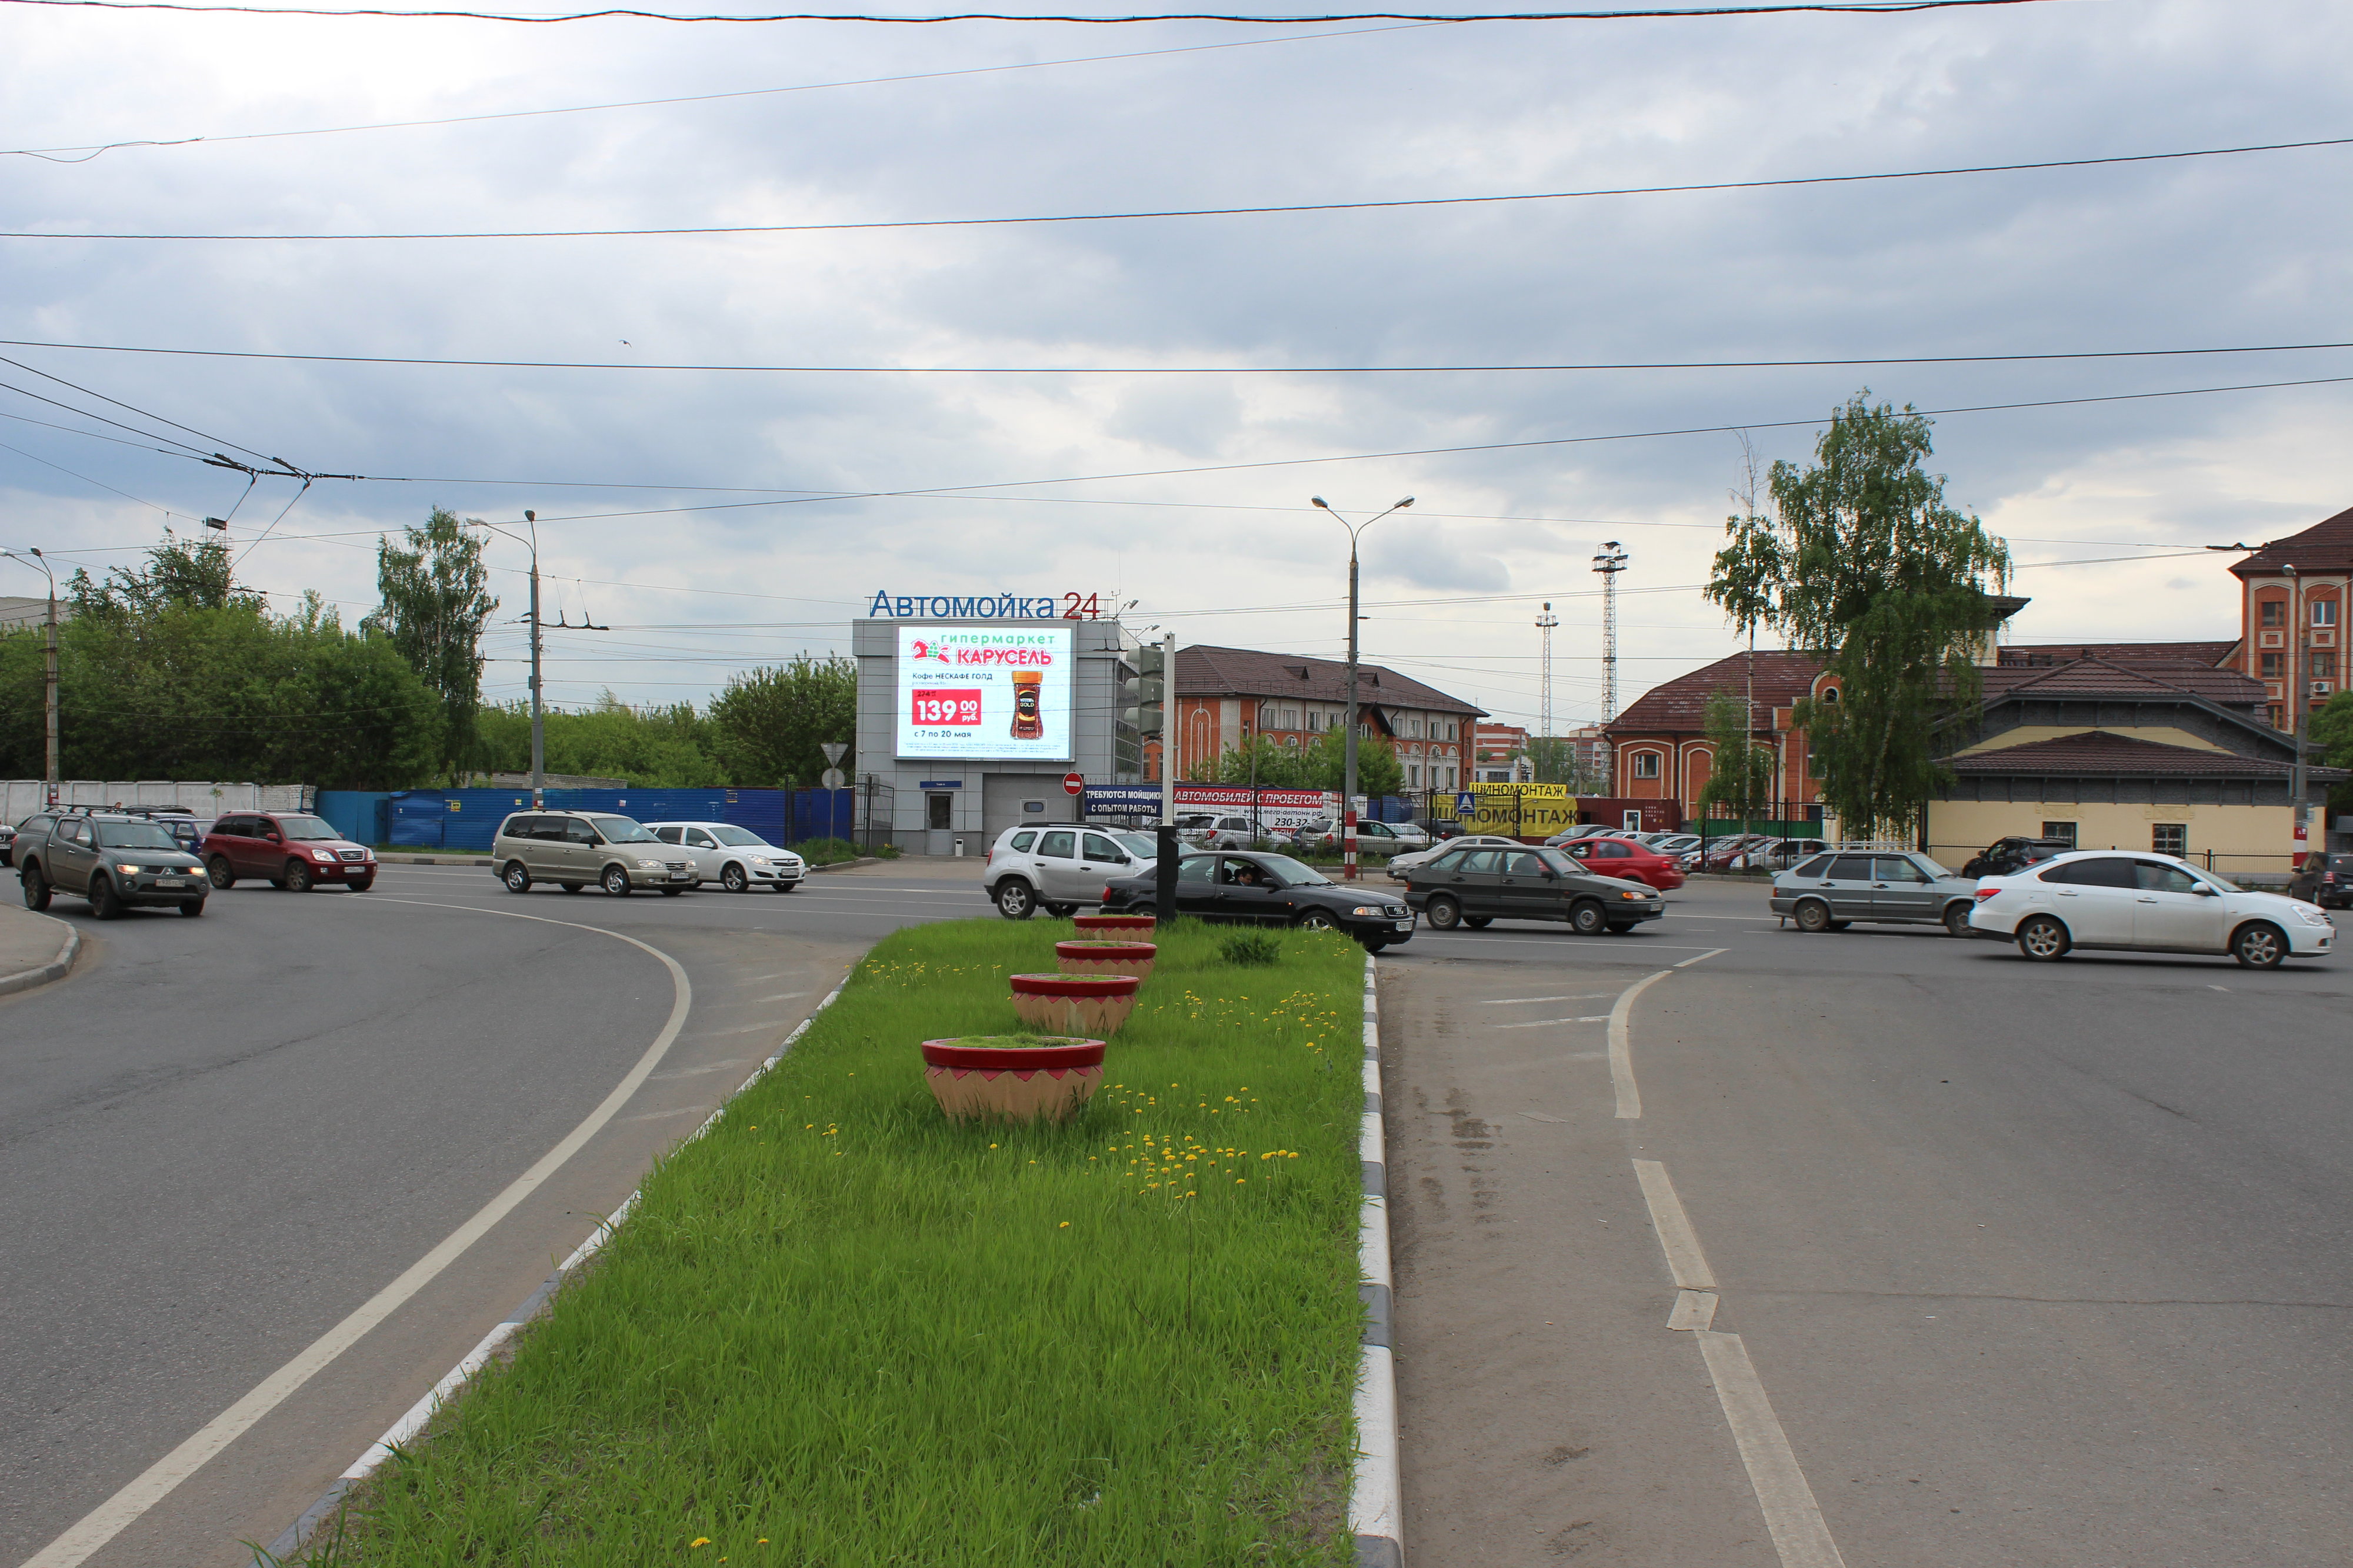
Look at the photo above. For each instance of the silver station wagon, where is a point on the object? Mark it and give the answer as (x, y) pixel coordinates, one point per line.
(1829, 893)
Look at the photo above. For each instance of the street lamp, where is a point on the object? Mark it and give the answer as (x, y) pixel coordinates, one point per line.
(538, 717)
(33, 557)
(1348, 742)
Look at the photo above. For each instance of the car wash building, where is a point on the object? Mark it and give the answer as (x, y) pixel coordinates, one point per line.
(971, 714)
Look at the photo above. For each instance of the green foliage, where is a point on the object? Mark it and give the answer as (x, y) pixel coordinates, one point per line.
(1865, 566)
(1251, 949)
(650, 748)
(1555, 758)
(2331, 727)
(1319, 764)
(769, 726)
(436, 599)
(180, 573)
(1741, 783)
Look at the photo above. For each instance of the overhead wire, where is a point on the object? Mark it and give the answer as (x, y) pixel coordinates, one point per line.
(1762, 8)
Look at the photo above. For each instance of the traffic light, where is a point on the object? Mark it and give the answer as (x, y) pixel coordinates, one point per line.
(1143, 695)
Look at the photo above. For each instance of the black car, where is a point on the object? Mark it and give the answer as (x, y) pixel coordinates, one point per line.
(2325, 880)
(1260, 889)
(7, 843)
(1439, 829)
(1474, 885)
(2008, 856)
(114, 861)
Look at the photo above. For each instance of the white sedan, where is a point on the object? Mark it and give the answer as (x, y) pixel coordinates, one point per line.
(2147, 903)
(1402, 864)
(737, 858)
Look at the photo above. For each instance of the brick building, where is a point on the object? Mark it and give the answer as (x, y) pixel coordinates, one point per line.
(2292, 606)
(1221, 695)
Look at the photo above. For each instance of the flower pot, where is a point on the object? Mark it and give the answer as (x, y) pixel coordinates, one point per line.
(1074, 1003)
(1023, 1079)
(1084, 957)
(1118, 928)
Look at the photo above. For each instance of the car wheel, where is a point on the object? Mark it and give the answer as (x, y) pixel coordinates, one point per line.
(517, 879)
(2259, 945)
(1443, 914)
(2043, 940)
(1957, 920)
(193, 908)
(1015, 900)
(615, 881)
(1813, 916)
(733, 880)
(571, 887)
(218, 869)
(107, 906)
(1586, 919)
(37, 889)
(1478, 922)
(1317, 920)
(297, 878)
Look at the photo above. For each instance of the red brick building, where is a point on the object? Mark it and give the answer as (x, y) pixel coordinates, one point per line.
(2292, 598)
(1223, 695)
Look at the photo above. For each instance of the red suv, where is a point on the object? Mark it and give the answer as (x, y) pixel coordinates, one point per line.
(289, 849)
(1629, 861)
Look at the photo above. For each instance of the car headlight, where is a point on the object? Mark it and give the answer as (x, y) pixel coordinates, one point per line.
(2311, 916)
(128, 870)
(648, 865)
(758, 859)
(1368, 910)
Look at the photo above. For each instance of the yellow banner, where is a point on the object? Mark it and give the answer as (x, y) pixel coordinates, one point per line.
(1520, 810)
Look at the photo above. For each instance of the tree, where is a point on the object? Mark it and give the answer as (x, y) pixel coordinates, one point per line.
(1740, 784)
(2331, 728)
(1555, 759)
(1271, 763)
(437, 600)
(770, 725)
(192, 574)
(1864, 565)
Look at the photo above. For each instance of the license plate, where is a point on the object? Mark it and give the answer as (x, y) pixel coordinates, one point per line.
(171, 881)
(680, 876)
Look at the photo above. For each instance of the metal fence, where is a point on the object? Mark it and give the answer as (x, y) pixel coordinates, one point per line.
(873, 805)
(203, 798)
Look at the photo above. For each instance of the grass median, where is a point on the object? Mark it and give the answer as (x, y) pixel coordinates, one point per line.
(840, 1330)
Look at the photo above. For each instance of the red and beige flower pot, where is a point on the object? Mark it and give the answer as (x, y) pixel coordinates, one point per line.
(1120, 928)
(1012, 1077)
(1074, 1003)
(1085, 957)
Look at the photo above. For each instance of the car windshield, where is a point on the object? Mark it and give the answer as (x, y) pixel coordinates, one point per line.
(728, 833)
(1558, 860)
(134, 835)
(1933, 868)
(1142, 846)
(622, 830)
(304, 829)
(1290, 873)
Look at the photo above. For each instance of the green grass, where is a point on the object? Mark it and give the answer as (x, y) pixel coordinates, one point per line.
(839, 1329)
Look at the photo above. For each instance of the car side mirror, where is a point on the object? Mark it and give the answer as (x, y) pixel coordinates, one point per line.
(2204, 891)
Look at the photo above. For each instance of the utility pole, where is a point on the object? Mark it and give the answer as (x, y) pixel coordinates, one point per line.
(1609, 560)
(1545, 623)
(1348, 740)
(2298, 662)
(1166, 849)
(48, 671)
(538, 708)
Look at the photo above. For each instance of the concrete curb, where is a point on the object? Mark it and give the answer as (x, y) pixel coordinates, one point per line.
(1377, 1497)
(404, 1431)
(56, 968)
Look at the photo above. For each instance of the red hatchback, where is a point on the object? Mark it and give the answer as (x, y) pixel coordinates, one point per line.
(289, 849)
(1624, 858)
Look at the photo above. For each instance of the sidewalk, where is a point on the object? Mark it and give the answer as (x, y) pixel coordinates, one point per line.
(34, 950)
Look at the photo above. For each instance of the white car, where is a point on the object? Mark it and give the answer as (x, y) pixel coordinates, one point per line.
(737, 858)
(1401, 865)
(2147, 903)
(1059, 867)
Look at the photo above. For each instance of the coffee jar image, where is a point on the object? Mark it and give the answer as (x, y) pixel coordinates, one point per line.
(1029, 722)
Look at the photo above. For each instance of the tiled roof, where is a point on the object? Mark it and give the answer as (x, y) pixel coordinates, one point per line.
(1681, 704)
(2205, 654)
(2104, 753)
(2325, 546)
(1247, 672)
(2107, 678)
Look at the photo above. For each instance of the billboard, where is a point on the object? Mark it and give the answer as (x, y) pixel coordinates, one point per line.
(985, 693)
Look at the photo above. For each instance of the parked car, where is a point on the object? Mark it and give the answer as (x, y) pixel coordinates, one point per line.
(289, 849)
(2325, 880)
(1400, 865)
(1721, 853)
(1582, 830)
(576, 850)
(1263, 889)
(1675, 844)
(115, 862)
(1624, 858)
(737, 858)
(1372, 838)
(1226, 833)
(2145, 902)
(1441, 828)
(7, 843)
(2008, 856)
(1060, 869)
(1831, 892)
(1776, 853)
(1474, 886)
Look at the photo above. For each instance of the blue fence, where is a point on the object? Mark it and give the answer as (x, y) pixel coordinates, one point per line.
(466, 818)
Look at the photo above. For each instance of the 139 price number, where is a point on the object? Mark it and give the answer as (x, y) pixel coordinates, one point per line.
(937, 706)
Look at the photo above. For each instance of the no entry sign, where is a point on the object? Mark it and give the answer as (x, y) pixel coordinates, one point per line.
(1073, 782)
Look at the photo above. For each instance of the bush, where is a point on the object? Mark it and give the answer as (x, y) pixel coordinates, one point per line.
(1251, 949)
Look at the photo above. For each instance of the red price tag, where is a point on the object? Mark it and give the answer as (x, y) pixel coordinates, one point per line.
(935, 705)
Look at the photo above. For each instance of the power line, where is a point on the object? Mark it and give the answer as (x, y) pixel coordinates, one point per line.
(1031, 220)
(129, 408)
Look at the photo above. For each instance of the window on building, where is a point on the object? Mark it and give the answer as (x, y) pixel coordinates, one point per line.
(2275, 716)
(1291, 718)
(2169, 837)
(1413, 774)
(2064, 832)
(1646, 764)
(2272, 613)
(1830, 694)
(2324, 612)
(2324, 665)
(2271, 666)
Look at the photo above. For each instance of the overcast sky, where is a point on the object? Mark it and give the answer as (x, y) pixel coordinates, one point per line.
(2223, 251)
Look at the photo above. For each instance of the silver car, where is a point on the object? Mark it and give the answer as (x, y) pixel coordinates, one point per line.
(1059, 867)
(576, 850)
(737, 858)
(1831, 892)
(1401, 866)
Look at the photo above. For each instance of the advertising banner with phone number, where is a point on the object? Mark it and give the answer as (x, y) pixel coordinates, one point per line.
(985, 693)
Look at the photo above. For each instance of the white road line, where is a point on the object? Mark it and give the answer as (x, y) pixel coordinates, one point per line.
(1515, 1001)
(1684, 1260)
(1791, 1516)
(779, 997)
(103, 1523)
(1693, 1311)
(1687, 963)
(1547, 1022)
(1621, 1049)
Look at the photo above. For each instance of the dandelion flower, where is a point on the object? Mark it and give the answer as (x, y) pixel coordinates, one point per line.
(1065, 1226)
(699, 1541)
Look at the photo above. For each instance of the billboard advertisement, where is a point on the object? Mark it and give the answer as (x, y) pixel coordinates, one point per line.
(985, 693)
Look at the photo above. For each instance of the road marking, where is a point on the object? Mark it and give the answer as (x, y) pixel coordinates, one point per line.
(779, 997)
(1621, 1049)
(1562, 944)
(107, 1521)
(1547, 1023)
(1687, 963)
(1515, 1001)
(1684, 1260)
(1791, 1516)
(1540, 1116)
(1693, 1311)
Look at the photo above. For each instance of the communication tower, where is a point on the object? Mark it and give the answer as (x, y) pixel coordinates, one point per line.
(1609, 561)
(1545, 623)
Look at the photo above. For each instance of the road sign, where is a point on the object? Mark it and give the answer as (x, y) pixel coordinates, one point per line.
(833, 750)
(1073, 784)
(1466, 804)
(832, 779)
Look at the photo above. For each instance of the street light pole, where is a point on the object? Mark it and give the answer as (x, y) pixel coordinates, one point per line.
(538, 708)
(1348, 741)
(49, 672)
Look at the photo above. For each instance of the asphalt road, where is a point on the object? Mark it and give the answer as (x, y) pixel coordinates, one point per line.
(2023, 1264)
(219, 1137)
